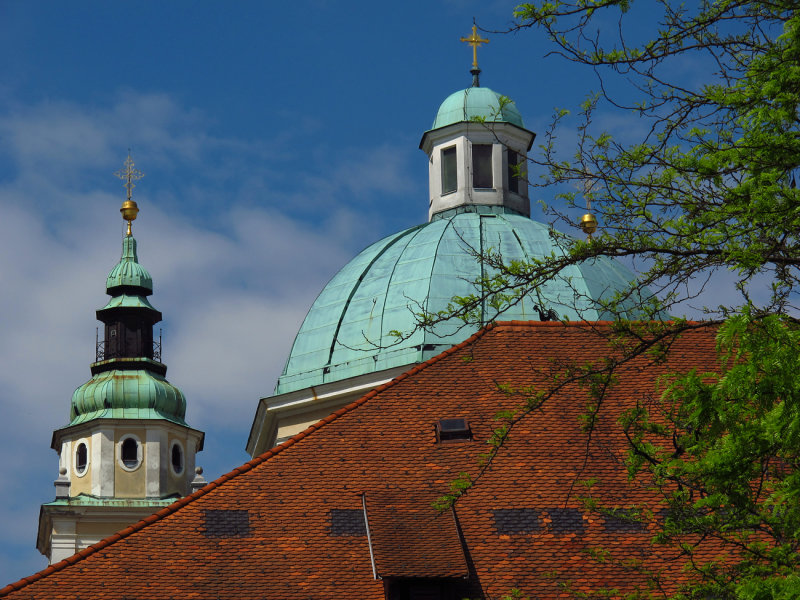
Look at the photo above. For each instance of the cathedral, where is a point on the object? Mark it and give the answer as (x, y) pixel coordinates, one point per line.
(369, 423)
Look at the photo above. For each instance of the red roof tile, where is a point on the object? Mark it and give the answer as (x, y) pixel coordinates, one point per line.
(266, 529)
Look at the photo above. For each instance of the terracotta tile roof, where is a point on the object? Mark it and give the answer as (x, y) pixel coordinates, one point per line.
(286, 524)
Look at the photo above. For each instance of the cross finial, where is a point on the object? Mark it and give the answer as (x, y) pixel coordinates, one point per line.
(129, 174)
(474, 40)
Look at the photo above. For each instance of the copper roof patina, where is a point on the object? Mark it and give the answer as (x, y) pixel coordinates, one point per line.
(128, 272)
(349, 329)
(477, 104)
(125, 386)
(127, 394)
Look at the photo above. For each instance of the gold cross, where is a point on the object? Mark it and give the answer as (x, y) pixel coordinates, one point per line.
(474, 40)
(129, 174)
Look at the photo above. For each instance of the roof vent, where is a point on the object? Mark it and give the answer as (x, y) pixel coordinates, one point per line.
(345, 521)
(227, 523)
(453, 429)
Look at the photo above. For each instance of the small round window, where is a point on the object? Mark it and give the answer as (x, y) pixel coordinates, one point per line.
(81, 458)
(176, 458)
(130, 453)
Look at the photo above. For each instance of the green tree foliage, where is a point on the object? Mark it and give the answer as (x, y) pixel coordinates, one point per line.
(706, 191)
(710, 186)
(723, 449)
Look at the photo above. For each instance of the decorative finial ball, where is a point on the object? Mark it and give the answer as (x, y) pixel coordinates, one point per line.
(62, 471)
(198, 470)
(129, 210)
(588, 223)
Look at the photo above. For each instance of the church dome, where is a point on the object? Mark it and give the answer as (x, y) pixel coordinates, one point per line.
(128, 394)
(349, 329)
(477, 104)
(128, 272)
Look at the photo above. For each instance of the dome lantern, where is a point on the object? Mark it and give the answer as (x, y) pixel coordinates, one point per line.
(477, 149)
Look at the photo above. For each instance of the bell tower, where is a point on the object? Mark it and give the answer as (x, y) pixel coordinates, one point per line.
(127, 450)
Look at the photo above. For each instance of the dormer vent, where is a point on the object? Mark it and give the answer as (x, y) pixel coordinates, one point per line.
(453, 429)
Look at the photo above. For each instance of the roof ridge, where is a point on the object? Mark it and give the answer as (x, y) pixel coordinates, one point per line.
(592, 324)
(244, 468)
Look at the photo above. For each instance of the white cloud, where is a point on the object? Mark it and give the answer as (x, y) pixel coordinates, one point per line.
(236, 254)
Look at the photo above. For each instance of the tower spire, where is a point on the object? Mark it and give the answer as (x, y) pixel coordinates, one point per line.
(129, 174)
(127, 450)
(475, 40)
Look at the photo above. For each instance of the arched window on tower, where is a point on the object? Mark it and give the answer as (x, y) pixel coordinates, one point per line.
(177, 458)
(81, 458)
(129, 453)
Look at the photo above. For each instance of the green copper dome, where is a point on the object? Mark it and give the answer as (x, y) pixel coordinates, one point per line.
(347, 332)
(128, 394)
(128, 271)
(477, 103)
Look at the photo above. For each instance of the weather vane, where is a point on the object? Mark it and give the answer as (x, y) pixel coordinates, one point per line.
(475, 40)
(129, 174)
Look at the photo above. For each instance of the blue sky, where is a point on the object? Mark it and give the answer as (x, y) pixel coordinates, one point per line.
(278, 139)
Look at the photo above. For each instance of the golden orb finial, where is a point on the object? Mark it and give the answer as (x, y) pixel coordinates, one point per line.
(129, 174)
(129, 211)
(588, 224)
(588, 221)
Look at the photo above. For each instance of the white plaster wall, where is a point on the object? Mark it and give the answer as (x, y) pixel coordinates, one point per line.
(103, 461)
(155, 457)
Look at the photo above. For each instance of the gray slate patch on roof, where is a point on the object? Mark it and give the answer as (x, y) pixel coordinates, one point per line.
(347, 521)
(566, 520)
(227, 523)
(516, 520)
